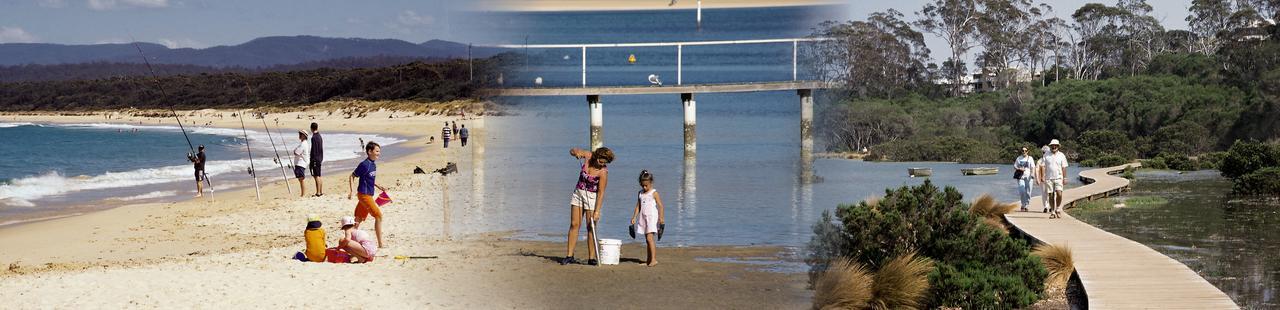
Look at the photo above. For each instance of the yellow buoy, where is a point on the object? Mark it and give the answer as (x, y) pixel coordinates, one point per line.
(631, 59)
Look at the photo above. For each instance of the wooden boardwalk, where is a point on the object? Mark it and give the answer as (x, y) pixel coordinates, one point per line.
(1118, 273)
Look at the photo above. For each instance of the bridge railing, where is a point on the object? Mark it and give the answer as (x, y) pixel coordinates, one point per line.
(795, 47)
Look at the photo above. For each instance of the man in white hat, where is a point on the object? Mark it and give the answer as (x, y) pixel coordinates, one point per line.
(1055, 172)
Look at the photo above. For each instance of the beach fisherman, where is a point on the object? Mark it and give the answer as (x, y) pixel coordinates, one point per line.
(1055, 172)
(300, 159)
(587, 198)
(463, 134)
(367, 171)
(1024, 173)
(198, 159)
(445, 134)
(317, 157)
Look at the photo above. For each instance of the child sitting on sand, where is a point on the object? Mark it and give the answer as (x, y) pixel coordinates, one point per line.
(315, 239)
(356, 242)
(652, 218)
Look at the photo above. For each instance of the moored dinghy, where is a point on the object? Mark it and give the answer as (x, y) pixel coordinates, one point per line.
(920, 172)
(980, 171)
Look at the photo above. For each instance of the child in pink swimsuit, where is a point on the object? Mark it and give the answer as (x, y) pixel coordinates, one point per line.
(652, 218)
(357, 242)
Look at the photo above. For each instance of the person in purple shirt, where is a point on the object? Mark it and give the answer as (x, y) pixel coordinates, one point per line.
(367, 172)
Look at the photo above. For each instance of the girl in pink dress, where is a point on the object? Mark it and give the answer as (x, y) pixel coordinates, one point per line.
(652, 218)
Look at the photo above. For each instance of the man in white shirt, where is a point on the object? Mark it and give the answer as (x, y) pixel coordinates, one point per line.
(1055, 172)
(300, 158)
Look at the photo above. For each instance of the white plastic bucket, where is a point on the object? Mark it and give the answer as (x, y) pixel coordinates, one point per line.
(610, 251)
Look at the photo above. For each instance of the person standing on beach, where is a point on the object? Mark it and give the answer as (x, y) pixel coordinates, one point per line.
(445, 134)
(652, 216)
(198, 160)
(587, 198)
(463, 134)
(455, 128)
(1024, 172)
(300, 158)
(317, 157)
(1055, 172)
(367, 171)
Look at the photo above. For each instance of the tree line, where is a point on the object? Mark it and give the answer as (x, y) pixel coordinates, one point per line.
(100, 70)
(418, 81)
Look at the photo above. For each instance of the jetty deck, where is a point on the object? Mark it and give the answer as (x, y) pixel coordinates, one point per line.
(1118, 273)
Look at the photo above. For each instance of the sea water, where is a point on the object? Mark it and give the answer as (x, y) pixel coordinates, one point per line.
(745, 185)
(49, 170)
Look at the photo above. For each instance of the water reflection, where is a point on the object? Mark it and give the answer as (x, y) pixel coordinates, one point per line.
(1229, 241)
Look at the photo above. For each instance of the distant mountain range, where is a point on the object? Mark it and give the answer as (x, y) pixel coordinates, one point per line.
(260, 52)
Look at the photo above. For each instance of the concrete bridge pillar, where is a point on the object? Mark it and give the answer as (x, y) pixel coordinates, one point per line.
(597, 121)
(690, 124)
(806, 121)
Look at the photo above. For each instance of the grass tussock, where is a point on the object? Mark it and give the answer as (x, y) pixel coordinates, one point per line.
(901, 283)
(991, 212)
(1057, 260)
(845, 285)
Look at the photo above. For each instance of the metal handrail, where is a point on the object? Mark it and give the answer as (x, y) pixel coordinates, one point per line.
(795, 45)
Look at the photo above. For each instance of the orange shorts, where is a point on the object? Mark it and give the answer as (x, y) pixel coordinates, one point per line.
(366, 206)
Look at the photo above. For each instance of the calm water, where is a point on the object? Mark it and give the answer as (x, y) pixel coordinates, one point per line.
(744, 185)
(1229, 241)
(49, 170)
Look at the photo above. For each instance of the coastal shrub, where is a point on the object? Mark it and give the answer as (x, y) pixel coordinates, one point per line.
(846, 284)
(1245, 157)
(1183, 138)
(1108, 160)
(977, 266)
(1179, 162)
(1154, 163)
(1265, 181)
(1095, 144)
(1128, 172)
(948, 149)
(991, 212)
(1211, 160)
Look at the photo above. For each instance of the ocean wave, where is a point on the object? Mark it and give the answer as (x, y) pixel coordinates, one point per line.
(338, 146)
(11, 125)
(151, 195)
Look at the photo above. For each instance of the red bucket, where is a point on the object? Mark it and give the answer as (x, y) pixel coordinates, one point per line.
(382, 199)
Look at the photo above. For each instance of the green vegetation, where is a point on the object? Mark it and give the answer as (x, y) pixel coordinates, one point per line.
(1118, 88)
(1094, 205)
(1265, 181)
(900, 284)
(978, 266)
(1254, 168)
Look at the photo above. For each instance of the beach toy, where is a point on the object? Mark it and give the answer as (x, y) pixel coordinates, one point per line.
(610, 251)
(337, 256)
(383, 199)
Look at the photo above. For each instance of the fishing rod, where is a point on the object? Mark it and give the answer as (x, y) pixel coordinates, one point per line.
(283, 174)
(191, 149)
(257, 194)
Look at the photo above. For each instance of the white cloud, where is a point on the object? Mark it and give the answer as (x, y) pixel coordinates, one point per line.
(181, 43)
(57, 4)
(411, 18)
(15, 35)
(112, 4)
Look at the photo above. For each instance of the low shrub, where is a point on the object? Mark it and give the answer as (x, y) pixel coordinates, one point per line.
(1265, 181)
(1179, 162)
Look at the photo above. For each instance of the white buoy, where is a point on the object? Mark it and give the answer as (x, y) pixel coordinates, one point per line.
(537, 81)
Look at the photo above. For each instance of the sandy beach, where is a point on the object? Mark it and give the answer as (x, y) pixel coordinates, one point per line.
(591, 5)
(235, 251)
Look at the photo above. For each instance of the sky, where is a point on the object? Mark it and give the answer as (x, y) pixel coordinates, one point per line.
(205, 23)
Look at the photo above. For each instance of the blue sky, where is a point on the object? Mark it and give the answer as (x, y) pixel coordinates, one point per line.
(205, 23)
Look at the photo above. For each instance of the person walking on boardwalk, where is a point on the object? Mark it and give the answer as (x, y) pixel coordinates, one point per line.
(1024, 172)
(300, 158)
(463, 134)
(317, 157)
(1055, 172)
(445, 134)
(367, 172)
(198, 159)
(587, 198)
(1039, 172)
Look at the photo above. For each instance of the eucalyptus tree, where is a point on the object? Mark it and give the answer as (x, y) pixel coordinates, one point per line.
(956, 22)
(880, 57)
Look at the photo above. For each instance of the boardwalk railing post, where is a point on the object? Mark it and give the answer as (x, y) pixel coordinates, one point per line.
(584, 66)
(690, 124)
(795, 46)
(597, 121)
(679, 64)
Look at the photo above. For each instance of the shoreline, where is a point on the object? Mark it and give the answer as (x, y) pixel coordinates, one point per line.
(236, 250)
(661, 5)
